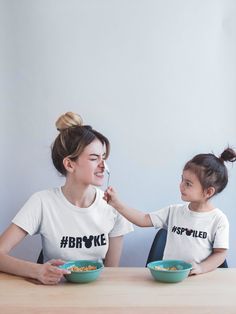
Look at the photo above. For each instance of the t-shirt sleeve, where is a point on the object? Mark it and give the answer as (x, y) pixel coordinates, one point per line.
(160, 217)
(121, 226)
(222, 234)
(29, 216)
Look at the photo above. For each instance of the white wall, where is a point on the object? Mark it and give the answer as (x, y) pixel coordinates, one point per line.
(157, 77)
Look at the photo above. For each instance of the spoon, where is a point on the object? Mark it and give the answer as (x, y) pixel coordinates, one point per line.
(108, 173)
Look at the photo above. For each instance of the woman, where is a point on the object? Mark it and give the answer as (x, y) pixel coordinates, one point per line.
(73, 220)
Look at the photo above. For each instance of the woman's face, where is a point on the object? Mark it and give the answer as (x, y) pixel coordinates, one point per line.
(89, 166)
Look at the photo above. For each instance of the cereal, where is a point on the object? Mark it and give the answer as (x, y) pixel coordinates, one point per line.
(165, 268)
(82, 268)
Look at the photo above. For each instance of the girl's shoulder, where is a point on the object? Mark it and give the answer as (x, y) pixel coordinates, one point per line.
(170, 210)
(219, 215)
(178, 207)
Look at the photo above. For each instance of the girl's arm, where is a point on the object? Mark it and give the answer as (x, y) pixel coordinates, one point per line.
(133, 215)
(211, 263)
(113, 255)
(45, 273)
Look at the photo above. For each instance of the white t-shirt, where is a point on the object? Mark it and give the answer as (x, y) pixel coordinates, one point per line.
(191, 235)
(67, 231)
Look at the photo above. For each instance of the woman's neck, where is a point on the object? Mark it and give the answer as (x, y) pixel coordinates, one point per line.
(79, 196)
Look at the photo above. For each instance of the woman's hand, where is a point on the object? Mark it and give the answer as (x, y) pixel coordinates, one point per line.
(50, 274)
(56, 262)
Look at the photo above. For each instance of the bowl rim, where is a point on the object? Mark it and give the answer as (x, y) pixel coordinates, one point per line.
(72, 263)
(156, 263)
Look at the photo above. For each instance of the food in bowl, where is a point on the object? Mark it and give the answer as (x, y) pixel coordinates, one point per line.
(169, 270)
(165, 268)
(82, 270)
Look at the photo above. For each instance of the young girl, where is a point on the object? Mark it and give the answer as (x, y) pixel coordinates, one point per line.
(73, 220)
(197, 231)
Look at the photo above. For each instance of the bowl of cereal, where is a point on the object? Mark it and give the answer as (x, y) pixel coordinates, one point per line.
(169, 270)
(82, 271)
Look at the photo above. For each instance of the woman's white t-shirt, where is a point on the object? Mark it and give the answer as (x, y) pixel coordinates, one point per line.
(67, 231)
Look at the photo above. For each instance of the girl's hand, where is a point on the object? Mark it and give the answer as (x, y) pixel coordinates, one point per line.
(50, 274)
(110, 196)
(106, 196)
(196, 269)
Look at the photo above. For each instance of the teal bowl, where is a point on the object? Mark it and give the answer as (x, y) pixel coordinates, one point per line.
(161, 270)
(85, 275)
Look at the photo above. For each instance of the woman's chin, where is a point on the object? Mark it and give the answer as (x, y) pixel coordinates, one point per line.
(98, 184)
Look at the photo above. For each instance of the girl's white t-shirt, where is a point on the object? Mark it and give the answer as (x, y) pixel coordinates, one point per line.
(191, 235)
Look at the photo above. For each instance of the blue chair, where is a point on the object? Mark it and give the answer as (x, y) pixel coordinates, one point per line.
(40, 258)
(158, 246)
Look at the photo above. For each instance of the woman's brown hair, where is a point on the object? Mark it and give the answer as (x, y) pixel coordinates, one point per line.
(72, 139)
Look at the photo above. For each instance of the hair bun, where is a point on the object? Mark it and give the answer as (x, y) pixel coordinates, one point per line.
(228, 155)
(68, 120)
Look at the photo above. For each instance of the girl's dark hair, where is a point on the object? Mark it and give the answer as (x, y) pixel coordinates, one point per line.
(72, 140)
(211, 170)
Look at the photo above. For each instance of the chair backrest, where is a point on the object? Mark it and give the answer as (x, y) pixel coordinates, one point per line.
(224, 264)
(40, 258)
(158, 246)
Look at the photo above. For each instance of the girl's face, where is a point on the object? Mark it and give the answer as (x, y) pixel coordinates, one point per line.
(89, 166)
(190, 187)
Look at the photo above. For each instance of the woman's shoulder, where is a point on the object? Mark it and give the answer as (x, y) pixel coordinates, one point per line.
(46, 194)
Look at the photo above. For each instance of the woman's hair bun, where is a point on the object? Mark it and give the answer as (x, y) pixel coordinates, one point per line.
(67, 120)
(228, 155)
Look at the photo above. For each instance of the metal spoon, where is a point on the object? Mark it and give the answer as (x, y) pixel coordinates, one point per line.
(108, 173)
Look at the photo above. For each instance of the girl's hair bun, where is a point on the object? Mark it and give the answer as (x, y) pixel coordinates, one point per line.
(228, 155)
(67, 120)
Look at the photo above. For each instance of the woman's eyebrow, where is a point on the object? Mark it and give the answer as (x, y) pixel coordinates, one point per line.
(97, 155)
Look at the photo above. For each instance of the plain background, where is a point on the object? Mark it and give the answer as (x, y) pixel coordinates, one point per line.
(156, 77)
